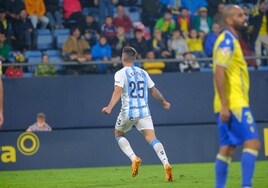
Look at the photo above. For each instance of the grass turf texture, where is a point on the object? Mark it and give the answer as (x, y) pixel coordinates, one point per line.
(197, 175)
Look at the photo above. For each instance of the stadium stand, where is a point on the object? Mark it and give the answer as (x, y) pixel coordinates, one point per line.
(33, 57)
(60, 36)
(44, 39)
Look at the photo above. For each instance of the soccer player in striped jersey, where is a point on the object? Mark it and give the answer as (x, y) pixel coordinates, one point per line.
(236, 125)
(132, 84)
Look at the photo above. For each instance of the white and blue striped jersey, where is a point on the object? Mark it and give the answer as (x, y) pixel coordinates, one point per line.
(135, 83)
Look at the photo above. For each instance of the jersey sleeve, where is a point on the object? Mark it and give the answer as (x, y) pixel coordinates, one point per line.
(119, 79)
(224, 52)
(150, 82)
(1, 68)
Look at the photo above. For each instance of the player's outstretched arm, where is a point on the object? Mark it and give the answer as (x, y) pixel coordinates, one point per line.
(115, 98)
(158, 96)
(219, 77)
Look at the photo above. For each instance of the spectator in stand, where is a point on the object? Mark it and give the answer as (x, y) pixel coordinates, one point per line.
(177, 45)
(203, 22)
(4, 47)
(14, 72)
(211, 39)
(140, 44)
(53, 13)
(24, 33)
(212, 6)
(74, 46)
(45, 68)
(151, 11)
(184, 20)
(119, 42)
(189, 64)
(105, 8)
(166, 24)
(246, 10)
(90, 7)
(153, 67)
(123, 20)
(108, 29)
(5, 25)
(72, 10)
(13, 9)
(92, 26)
(36, 10)
(218, 17)
(168, 4)
(40, 124)
(158, 45)
(195, 44)
(92, 30)
(102, 52)
(258, 27)
(193, 5)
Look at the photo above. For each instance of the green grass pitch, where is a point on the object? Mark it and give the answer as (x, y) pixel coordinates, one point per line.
(199, 175)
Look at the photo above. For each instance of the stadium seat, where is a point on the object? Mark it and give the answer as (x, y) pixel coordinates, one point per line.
(55, 57)
(60, 36)
(44, 39)
(133, 13)
(34, 57)
(27, 74)
(263, 68)
(11, 57)
(61, 32)
(203, 69)
(52, 53)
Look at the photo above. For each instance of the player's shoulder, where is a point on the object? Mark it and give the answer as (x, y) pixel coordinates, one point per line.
(225, 41)
(226, 38)
(121, 71)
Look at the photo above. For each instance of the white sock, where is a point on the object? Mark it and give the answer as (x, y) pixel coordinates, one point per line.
(160, 151)
(126, 148)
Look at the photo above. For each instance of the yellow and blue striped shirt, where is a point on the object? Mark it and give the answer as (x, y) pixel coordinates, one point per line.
(227, 53)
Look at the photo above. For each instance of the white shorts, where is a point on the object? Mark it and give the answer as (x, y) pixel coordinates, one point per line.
(125, 124)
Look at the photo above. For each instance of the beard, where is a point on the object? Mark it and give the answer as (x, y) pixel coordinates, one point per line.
(241, 28)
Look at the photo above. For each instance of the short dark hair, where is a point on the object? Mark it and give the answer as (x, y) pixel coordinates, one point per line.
(73, 29)
(130, 53)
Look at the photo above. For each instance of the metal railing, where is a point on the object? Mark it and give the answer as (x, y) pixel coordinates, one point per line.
(75, 63)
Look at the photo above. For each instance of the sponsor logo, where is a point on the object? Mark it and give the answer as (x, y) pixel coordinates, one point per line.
(27, 143)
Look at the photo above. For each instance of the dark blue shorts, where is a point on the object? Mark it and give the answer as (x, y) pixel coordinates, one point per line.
(237, 131)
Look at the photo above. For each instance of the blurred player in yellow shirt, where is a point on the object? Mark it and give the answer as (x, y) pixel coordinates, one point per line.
(236, 125)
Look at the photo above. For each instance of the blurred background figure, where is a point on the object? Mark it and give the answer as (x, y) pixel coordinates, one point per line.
(53, 14)
(153, 67)
(45, 68)
(36, 10)
(40, 124)
(105, 8)
(189, 64)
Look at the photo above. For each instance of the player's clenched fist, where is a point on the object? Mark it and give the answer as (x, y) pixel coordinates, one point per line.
(166, 105)
(106, 110)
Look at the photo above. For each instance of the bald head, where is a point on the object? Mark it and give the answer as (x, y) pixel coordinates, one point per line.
(234, 17)
(229, 12)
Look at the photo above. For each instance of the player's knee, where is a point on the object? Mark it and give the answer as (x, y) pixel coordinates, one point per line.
(227, 151)
(118, 134)
(253, 144)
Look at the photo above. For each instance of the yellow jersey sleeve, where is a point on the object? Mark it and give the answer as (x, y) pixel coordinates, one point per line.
(223, 50)
(1, 68)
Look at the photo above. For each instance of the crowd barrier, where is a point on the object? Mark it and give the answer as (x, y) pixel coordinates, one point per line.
(76, 101)
(97, 147)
